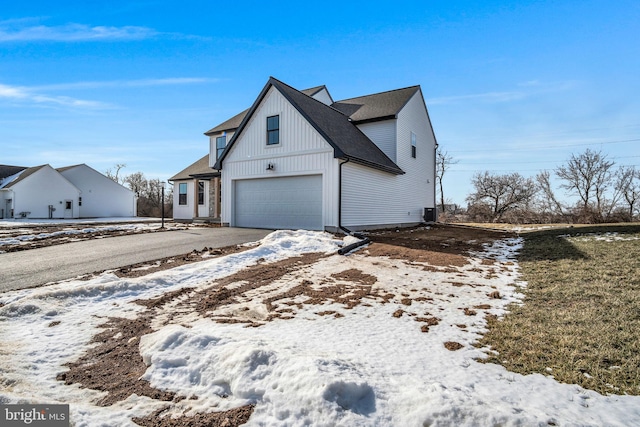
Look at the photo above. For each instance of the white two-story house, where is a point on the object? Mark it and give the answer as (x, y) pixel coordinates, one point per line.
(297, 159)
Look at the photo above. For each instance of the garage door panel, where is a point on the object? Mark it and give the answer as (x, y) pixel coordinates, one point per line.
(279, 203)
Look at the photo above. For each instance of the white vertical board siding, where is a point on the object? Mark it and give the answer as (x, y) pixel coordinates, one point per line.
(301, 151)
(43, 188)
(375, 198)
(183, 211)
(383, 134)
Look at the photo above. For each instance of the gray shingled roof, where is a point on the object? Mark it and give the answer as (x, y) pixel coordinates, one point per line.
(337, 129)
(26, 172)
(230, 124)
(66, 168)
(379, 106)
(8, 170)
(199, 169)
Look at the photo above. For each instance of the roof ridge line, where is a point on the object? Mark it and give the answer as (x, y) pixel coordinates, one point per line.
(378, 93)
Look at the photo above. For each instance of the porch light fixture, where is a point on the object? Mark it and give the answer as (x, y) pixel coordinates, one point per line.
(271, 167)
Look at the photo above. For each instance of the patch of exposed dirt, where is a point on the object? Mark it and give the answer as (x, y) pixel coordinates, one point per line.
(144, 268)
(231, 418)
(438, 245)
(347, 288)
(452, 345)
(115, 364)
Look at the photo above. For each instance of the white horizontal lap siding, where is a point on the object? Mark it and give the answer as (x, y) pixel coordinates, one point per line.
(183, 211)
(383, 134)
(372, 197)
(302, 151)
(419, 181)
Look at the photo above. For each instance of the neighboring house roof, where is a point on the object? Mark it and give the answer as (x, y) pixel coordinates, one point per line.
(24, 174)
(379, 106)
(8, 170)
(199, 169)
(66, 168)
(335, 127)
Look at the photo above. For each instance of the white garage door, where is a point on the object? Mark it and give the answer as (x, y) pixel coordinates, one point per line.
(279, 203)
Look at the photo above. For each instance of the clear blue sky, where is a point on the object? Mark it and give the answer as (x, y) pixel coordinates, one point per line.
(510, 86)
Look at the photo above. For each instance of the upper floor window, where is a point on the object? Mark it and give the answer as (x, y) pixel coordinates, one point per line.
(273, 130)
(182, 193)
(221, 143)
(413, 145)
(201, 192)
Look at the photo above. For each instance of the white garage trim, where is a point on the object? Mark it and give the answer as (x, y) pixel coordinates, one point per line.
(293, 202)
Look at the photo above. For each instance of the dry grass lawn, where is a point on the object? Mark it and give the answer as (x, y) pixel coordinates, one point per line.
(580, 321)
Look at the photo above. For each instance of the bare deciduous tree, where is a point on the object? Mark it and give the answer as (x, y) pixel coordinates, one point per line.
(443, 162)
(137, 183)
(502, 193)
(588, 175)
(628, 185)
(548, 200)
(115, 175)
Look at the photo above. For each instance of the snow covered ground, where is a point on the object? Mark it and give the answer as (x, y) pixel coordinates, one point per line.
(25, 236)
(402, 359)
(6, 223)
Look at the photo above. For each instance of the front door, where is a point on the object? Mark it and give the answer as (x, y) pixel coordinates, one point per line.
(68, 208)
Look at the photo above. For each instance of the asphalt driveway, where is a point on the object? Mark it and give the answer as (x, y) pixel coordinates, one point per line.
(37, 267)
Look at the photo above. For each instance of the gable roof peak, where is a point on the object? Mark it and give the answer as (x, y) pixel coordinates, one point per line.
(335, 127)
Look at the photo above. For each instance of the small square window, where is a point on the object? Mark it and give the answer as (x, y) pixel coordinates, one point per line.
(413, 145)
(273, 130)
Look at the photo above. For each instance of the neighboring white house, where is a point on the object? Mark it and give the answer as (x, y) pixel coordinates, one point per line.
(37, 192)
(72, 192)
(100, 196)
(299, 160)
